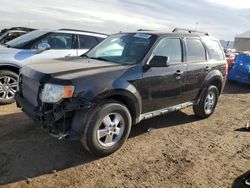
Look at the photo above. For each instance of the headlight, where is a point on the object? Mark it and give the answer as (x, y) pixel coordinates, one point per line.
(53, 93)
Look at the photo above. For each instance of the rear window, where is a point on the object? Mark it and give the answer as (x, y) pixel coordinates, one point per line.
(214, 50)
(195, 50)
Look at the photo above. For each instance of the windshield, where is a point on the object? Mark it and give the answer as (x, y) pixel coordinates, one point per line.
(25, 39)
(123, 48)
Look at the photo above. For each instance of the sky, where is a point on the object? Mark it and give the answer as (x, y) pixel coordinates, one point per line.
(223, 19)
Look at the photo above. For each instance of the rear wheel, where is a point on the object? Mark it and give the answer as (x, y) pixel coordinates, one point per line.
(207, 103)
(8, 86)
(107, 128)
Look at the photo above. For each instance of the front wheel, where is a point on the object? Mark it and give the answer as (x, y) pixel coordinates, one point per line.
(8, 86)
(207, 103)
(107, 128)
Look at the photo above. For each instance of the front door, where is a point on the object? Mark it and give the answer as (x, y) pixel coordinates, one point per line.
(162, 85)
(61, 45)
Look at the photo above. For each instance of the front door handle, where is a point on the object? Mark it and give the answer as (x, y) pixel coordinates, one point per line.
(69, 55)
(179, 72)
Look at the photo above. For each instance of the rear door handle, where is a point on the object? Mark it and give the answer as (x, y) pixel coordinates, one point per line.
(179, 72)
(207, 68)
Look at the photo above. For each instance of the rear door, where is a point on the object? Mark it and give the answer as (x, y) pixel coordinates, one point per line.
(86, 42)
(162, 85)
(197, 67)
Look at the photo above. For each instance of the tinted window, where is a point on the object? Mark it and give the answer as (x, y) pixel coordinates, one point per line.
(171, 48)
(10, 36)
(87, 42)
(195, 50)
(100, 39)
(214, 50)
(57, 41)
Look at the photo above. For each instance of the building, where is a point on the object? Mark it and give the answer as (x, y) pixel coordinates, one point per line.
(242, 41)
(227, 44)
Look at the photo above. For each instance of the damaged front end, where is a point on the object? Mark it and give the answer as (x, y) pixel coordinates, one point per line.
(55, 118)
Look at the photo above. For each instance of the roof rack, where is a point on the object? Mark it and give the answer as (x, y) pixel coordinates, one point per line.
(189, 31)
(78, 30)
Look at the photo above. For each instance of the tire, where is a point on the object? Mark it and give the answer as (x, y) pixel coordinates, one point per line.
(107, 128)
(8, 86)
(207, 103)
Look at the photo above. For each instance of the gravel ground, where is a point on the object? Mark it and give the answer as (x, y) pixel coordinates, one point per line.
(179, 151)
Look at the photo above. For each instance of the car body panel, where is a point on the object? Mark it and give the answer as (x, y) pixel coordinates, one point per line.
(240, 71)
(21, 57)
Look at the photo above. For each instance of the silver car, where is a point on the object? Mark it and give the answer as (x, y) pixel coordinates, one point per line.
(40, 45)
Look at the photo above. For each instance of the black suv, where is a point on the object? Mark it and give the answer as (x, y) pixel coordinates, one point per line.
(127, 78)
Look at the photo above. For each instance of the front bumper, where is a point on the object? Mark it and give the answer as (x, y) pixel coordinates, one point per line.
(55, 118)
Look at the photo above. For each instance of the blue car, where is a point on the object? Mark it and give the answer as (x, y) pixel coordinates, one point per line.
(240, 71)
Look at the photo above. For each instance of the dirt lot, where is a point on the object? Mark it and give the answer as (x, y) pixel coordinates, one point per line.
(210, 153)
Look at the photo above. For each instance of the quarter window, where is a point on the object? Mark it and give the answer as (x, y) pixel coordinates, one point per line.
(87, 42)
(214, 50)
(195, 50)
(170, 47)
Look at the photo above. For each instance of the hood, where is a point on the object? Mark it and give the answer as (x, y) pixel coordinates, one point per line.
(1, 46)
(68, 68)
(5, 50)
(12, 54)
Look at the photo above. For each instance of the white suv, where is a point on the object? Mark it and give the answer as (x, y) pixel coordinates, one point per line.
(40, 45)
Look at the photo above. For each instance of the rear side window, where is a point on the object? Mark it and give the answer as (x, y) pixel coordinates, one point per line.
(100, 39)
(195, 50)
(170, 47)
(87, 42)
(214, 50)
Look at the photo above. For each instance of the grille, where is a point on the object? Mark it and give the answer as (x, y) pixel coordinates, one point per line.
(30, 90)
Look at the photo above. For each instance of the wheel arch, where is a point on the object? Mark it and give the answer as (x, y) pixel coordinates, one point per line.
(10, 67)
(214, 78)
(125, 97)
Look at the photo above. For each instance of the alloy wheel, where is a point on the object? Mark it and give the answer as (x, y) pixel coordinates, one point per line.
(8, 87)
(111, 130)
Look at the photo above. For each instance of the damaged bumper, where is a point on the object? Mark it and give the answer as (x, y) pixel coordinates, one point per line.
(55, 118)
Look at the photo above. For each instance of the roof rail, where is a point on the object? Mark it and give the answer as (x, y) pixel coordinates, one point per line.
(78, 30)
(145, 30)
(189, 31)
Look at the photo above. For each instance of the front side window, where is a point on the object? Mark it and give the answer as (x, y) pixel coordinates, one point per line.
(214, 50)
(195, 50)
(87, 42)
(170, 47)
(123, 48)
(57, 41)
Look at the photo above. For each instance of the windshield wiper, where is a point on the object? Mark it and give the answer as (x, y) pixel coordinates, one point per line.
(6, 45)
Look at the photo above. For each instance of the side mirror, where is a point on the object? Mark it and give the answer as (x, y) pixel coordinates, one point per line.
(158, 61)
(42, 47)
